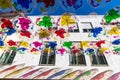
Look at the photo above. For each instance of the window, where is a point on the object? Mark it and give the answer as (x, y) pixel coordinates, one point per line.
(87, 27)
(78, 57)
(74, 28)
(47, 57)
(98, 59)
(7, 57)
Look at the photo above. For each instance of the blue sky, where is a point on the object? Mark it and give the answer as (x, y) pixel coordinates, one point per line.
(85, 9)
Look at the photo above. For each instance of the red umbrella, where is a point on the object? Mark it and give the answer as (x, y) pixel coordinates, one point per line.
(99, 43)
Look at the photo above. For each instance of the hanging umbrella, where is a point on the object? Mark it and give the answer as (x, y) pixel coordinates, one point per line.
(111, 16)
(43, 33)
(99, 43)
(24, 23)
(47, 7)
(46, 22)
(52, 44)
(25, 5)
(26, 34)
(68, 44)
(61, 50)
(37, 44)
(89, 51)
(7, 4)
(116, 42)
(98, 3)
(96, 31)
(114, 31)
(68, 21)
(85, 44)
(71, 5)
(7, 27)
(60, 33)
(23, 46)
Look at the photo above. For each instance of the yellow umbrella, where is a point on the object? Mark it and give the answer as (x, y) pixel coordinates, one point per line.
(66, 20)
(85, 44)
(24, 44)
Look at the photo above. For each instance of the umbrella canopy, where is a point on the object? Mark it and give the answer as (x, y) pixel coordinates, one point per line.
(116, 42)
(112, 16)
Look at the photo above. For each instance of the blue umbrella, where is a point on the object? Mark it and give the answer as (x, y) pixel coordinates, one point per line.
(116, 42)
(96, 31)
(52, 44)
(89, 51)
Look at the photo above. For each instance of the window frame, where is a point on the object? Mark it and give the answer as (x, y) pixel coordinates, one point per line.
(47, 64)
(88, 30)
(77, 62)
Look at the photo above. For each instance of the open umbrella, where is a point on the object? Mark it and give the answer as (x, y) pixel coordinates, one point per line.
(116, 42)
(25, 5)
(68, 44)
(111, 17)
(98, 3)
(47, 7)
(71, 5)
(68, 21)
(45, 22)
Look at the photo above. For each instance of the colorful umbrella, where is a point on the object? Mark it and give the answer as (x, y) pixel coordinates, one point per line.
(85, 44)
(46, 22)
(96, 31)
(25, 34)
(114, 31)
(68, 44)
(52, 44)
(7, 26)
(112, 15)
(24, 23)
(60, 32)
(43, 33)
(116, 42)
(99, 43)
(89, 51)
(61, 50)
(66, 20)
(98, 3)
(71, 4)
(26, 5)
(46, 6)
(37, 44)
(7, 4)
